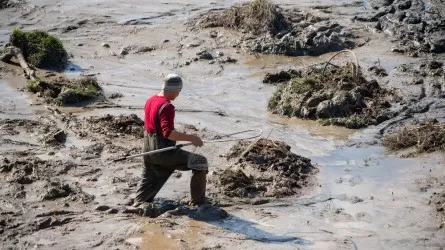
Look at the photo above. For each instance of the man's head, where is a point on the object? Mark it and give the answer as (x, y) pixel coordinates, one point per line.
(172, 86)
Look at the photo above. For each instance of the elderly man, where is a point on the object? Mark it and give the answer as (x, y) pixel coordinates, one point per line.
(160, 133)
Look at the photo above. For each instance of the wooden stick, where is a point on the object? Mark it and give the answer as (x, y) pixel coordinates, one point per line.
(11, 52)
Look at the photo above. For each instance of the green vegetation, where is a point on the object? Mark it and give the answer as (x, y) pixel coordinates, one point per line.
(303, 85)
(40, 49)
(62, 91)
(87, 87)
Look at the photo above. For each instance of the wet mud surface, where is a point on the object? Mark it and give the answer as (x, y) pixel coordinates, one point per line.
(418, 26)
(60, 188)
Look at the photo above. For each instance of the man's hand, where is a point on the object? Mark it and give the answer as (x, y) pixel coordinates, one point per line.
(178, 136)
(196, 141)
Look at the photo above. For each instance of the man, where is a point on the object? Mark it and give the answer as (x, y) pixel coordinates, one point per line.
(160, 133)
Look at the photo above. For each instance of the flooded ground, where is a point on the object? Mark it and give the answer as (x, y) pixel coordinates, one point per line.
(366, 198)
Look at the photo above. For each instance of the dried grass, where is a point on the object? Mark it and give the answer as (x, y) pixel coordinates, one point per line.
(257, 17)
(427, 138)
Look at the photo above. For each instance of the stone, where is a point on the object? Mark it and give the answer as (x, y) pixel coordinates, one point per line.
(105, 45)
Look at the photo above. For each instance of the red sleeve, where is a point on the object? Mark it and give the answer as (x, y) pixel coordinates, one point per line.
(167, 120)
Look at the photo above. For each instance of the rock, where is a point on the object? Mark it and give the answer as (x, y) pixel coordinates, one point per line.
(213, 34)
(68, 96)
(219, 53)
(355, 199)
(102, 208)
(105, 45)
(205, 55)
(124, 51)
(144, 49)
(378, 71)
(79, 44)
(112, 211)
(60, 136)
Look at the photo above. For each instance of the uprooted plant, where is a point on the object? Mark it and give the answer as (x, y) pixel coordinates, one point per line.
(40, 49)
(63, 91)
(424, 138)
(338, 95)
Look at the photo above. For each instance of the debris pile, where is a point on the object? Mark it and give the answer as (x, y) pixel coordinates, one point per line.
(269, 29)
(265, 168)
(338, 95)
(427, 137)
(65, 92)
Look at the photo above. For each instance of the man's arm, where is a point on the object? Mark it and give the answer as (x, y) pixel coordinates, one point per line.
(178, 136)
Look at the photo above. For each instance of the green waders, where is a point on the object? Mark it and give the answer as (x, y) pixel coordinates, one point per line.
(159, 167)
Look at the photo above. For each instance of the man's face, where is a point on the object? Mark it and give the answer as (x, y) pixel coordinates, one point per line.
(175, 94)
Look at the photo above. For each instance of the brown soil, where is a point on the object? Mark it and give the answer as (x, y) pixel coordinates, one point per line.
(265, 168)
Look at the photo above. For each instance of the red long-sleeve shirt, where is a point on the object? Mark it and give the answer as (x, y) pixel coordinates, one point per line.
(166, 117)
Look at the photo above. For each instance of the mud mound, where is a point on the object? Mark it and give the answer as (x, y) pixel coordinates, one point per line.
(40, 49)
(109, 125)
(257, 17)
(271, 30)
(428, 137)
(30, 169)
(46, 130)
(265, 168)
(65, 92)
(55, 189)
(419, 26)
(337, 96)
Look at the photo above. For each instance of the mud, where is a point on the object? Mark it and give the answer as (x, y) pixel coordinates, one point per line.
(363, 196)
(418, 27)
(272, 171)
(340, 96)
(268, 29)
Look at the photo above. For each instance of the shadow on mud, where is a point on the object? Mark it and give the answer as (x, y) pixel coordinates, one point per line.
(250, 230)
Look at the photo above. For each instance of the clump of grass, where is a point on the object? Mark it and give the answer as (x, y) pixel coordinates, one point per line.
(257, 17)
(427, 138)
(87, 87)
(302, 85)
(40, 49)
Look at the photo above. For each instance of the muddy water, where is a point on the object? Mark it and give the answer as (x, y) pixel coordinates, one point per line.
(366, 199)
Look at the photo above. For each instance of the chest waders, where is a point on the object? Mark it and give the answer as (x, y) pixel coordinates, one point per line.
(159, 167)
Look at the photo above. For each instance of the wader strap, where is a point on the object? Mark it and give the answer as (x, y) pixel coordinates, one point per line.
(157, 120)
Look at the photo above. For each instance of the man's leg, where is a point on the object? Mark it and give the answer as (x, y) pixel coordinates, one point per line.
(198, 186)
(153, 177)
(179, 159)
